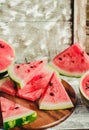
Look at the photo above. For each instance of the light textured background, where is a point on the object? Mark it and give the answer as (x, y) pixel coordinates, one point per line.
(36, 28)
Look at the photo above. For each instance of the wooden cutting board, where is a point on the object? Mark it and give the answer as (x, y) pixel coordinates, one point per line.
(46, 119)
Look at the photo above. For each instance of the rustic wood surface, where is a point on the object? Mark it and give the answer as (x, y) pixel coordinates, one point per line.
(80, 22)
(46, 119)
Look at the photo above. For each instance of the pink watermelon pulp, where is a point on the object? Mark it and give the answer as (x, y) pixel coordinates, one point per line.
(84, 87)
(35, 87)
(23, 73)
(71, 62)
(7, 56)
(7, 86)
(15, 115)
(55, 96)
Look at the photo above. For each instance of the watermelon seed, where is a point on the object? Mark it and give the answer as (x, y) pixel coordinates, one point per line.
(16, 107)
(1, 46)
(60, 58)
(50, 83)
(87, 84)
(18, 66)
(82, 54)
(73, 61)
(40, 77)
(87, 87)
(41, 61)
(28, 62)
(51, 94)
(68, 54)
(31, 66)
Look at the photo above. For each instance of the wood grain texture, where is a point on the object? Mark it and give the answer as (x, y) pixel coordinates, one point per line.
(46, 119)
(80, 22)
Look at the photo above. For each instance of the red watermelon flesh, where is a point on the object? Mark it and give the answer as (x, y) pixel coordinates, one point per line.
(7, 56)
(24, 72)
(84, 85)
(14, 114)
(7, 104)
(71, 62)
(55, 96)
(34, 88)
(7, 86)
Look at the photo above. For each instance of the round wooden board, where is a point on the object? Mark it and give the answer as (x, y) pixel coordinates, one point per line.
(46, 119)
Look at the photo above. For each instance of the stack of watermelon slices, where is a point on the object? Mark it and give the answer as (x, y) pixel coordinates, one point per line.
(33, 81)
(45, 82)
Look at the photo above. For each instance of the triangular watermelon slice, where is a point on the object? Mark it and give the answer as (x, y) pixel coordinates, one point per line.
(15, 115)
(24, 72)
(55, 97)
(7, 86)
(71, 62)
(35, 87)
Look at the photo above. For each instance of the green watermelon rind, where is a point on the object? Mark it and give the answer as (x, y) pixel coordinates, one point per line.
(3, 74)
(19, 120)
(13, 77)
(58, 106)
(83, 95)
(85, 100)
(49, 106)
(63, 72)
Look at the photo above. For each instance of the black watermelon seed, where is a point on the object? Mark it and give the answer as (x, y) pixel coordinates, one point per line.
(1, 46)
(31, 66)
(16, 107)
(82, 54)
(50, 83)
(18, 66)
(87, 87)
(41, 61)
(60, 58)
(51, 94)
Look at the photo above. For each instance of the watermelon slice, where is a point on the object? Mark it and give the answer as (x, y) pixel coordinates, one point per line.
(71, 62)
(84, 88)
(55, 97)
(7, 86)
(7, 55)
(24, 72)
(35, 87)
(15, 115)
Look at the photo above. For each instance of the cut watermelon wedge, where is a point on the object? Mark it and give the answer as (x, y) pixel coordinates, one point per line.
(35, 87)
(7, 86)
(71, 62)
(55, 97)
(22, 73)
(7, 56)
(84, 88)
(15, 115)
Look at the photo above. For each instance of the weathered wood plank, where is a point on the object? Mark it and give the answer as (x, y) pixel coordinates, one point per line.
(80, 22)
